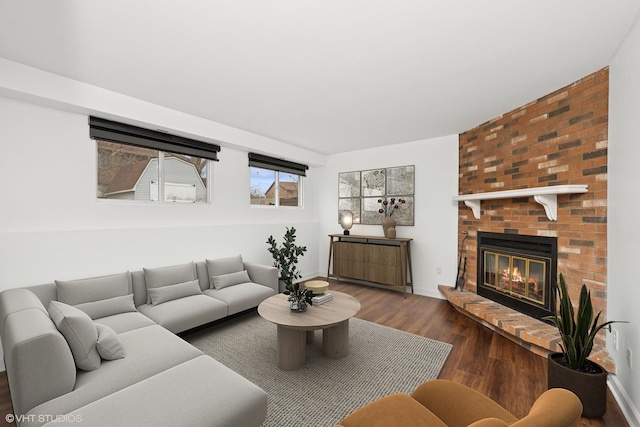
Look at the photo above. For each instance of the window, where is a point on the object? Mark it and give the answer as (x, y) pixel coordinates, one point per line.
(131, 165)
(275, 182)
(262, 186)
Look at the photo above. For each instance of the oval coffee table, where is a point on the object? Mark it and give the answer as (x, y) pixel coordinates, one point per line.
(295, 329)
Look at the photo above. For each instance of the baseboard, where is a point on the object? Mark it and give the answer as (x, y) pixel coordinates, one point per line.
(629, 411)
(432, 294)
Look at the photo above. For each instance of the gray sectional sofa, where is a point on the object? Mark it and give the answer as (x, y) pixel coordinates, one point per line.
(103, 351)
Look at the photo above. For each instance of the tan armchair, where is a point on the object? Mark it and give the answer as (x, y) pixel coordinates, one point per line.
(442, 403)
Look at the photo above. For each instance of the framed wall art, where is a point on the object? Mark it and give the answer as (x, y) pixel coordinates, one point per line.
(362, 192)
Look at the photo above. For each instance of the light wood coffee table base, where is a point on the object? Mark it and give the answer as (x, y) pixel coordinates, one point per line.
(335, 340)
(292, 351)
(296, 330)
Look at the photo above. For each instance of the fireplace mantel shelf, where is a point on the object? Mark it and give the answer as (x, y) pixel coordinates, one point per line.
(546, 196)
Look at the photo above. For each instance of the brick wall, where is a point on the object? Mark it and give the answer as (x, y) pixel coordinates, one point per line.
(558, 139)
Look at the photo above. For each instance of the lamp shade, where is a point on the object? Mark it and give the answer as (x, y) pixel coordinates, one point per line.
(346, 220)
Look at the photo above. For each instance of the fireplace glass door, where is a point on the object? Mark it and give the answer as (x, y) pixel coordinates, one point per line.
(518, 271)
(520, 277)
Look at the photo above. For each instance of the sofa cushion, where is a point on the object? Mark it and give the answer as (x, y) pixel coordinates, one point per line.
(185, 313)
(241, 297)
(224, 280)
(163, 276)
(171, 292)
(79, 331)
(94, 289)
(109, 345)
(217, 267)
(125, 322)
(108, 307)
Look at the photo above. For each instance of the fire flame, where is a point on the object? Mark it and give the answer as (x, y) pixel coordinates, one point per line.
(515, 276)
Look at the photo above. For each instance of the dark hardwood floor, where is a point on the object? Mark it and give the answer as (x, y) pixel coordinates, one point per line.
(480, 358)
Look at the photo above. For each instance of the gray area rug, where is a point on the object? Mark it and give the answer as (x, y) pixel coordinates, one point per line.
(381, 361)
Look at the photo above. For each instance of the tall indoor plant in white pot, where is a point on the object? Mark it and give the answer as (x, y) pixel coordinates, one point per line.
(570, 369)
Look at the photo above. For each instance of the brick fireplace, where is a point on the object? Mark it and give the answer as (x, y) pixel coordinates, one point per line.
(559, 139)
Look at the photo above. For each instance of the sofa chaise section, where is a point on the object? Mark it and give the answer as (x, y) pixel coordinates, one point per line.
(200, 392)
(161, 377)
(149, 351)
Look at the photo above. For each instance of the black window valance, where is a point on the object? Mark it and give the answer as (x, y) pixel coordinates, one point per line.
(108, 130)
(272, 163)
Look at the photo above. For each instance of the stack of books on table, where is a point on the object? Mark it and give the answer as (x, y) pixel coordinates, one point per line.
(322, 298)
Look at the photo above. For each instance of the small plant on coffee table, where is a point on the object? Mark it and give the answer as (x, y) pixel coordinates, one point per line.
(299, 298)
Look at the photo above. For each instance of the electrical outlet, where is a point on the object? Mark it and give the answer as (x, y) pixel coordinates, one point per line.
(439, 270)
(629, 364)
(614, 335)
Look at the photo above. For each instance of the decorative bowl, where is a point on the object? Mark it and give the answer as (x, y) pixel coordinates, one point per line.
(317, 286)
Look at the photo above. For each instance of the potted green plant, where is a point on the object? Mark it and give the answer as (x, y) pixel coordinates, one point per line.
(298, 297)
(285, 258)
(570, 369)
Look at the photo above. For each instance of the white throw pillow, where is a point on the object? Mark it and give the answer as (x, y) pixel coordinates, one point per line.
(79, 331)
(109, 345)
(224, 280)
(171, 292)
(108, 307)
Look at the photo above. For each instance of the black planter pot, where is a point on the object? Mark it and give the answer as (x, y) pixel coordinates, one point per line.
(591, 388)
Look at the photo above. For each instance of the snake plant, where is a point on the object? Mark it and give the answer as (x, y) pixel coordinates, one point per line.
(577, 329)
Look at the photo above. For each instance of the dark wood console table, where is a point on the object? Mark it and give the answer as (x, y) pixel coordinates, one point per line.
(372, 259)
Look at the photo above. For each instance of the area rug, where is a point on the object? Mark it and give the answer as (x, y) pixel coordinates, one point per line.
(381, 361)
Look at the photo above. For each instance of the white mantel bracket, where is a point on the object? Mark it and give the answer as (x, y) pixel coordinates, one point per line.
(546, 196)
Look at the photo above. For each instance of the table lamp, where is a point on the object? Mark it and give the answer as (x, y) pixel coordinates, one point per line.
(346, 221)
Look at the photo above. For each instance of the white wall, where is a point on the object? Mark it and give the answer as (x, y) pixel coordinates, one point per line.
(52, 226)
(436, 214)
(623, 291)
(18, 81)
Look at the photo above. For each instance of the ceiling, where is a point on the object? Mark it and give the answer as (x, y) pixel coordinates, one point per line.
(330, 76)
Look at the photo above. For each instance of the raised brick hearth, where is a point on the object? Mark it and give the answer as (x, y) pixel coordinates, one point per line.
(530, 333)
